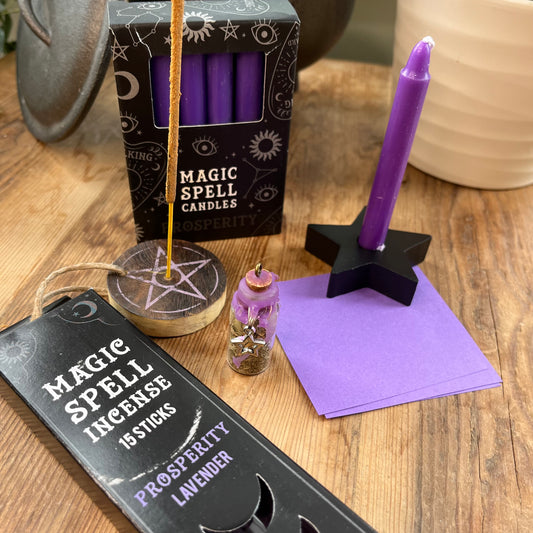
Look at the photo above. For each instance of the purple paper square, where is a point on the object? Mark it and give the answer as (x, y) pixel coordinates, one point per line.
(363, 351)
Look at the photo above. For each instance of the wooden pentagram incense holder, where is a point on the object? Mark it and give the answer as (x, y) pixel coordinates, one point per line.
(189, 300)
(175, 287)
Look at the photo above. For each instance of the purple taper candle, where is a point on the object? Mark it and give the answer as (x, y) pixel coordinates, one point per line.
(219, 88)
(250, 67)
(404, 116)
(159, 73)
(193, 93)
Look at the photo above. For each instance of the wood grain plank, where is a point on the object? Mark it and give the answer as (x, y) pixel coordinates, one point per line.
(461, 463)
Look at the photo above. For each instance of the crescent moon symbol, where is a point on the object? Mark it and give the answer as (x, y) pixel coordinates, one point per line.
(262, 516)
(91, 305)
(134, 85)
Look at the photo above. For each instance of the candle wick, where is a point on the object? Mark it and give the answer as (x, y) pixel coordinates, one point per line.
(429, 40)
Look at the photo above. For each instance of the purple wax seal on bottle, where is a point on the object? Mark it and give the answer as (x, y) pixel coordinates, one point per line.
(253, 320)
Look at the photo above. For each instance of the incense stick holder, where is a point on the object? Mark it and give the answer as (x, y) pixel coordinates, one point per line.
(189, 300)
(389, 271)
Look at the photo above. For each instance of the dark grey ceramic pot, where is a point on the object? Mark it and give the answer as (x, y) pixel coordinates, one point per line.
(323, 22)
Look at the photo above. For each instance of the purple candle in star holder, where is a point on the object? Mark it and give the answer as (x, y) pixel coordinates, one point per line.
(253, 320)
(403, 121)
(366, 253)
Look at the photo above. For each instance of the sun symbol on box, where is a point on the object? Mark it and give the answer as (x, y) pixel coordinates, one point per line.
(197, 26)
(17, 351)
(265, 145)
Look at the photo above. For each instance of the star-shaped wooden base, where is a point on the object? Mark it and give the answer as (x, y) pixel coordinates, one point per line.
(389, 272)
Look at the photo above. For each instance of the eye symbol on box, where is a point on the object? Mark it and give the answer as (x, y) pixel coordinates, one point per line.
(128, 123)
(205, 146)
(265, 33)
(266, 193)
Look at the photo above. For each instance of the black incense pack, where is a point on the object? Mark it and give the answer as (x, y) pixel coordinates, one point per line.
(238, 75)
(170, 453)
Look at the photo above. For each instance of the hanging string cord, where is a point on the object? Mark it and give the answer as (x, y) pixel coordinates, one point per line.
(41, 295)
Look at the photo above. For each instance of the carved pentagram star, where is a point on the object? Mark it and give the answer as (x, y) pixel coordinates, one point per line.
(389, 271)
(180, 282)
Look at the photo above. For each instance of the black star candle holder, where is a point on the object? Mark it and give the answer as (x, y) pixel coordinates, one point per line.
(389, 271)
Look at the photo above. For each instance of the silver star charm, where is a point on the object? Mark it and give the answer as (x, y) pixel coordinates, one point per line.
(249, 344)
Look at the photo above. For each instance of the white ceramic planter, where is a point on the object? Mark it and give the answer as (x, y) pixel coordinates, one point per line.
(476, 127)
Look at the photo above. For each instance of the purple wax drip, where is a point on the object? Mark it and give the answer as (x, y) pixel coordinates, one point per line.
(262, 305)
(219, 88)
(193, 96)
(405, 113)
(250, 67)
(159, 71)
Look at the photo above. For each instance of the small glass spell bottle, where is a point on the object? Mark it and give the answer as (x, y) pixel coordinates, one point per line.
(253, 319)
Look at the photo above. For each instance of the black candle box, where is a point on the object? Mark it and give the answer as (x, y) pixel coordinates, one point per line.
(231, 177)
(166, 450)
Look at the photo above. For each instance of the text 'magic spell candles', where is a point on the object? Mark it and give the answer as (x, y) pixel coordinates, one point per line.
(405, 113)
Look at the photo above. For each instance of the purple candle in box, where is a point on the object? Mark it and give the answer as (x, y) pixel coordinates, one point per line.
(159, 72)
(405, 113)
(193, 94)
(219, 88)
(250, 67)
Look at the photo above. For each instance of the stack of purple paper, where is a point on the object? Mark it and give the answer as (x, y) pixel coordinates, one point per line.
(220, 88)
(363, 351)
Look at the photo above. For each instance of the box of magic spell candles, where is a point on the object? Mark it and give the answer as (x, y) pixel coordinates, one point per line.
(167, 451)
(238, 74)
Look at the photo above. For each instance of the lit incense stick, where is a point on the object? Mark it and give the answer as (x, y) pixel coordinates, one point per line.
(176, 33)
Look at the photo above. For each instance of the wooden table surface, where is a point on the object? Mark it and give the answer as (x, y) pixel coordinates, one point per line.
(461, 463)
